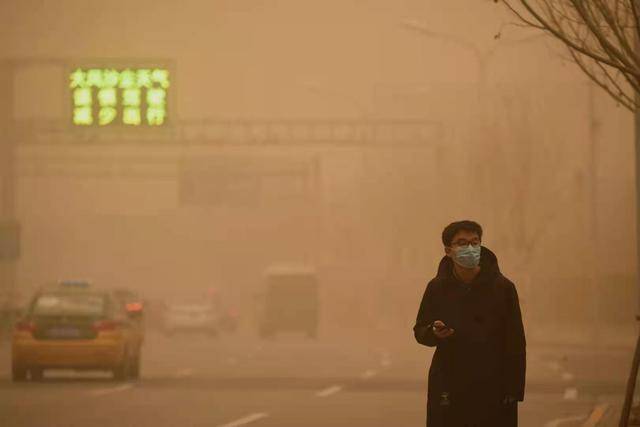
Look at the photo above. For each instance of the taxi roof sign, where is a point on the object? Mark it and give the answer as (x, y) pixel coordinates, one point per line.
(78, 284)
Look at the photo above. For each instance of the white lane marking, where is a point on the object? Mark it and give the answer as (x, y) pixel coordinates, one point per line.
(570, 394)
(559, 421)
(111, 390)
(596, 415)
(182, 373)
(329, 391)
(385, 360)
(555, 366)
(368, 374)
(567, 376)
(246, 420)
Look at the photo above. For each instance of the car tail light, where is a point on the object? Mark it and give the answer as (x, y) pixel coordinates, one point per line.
(105, 325)
(25, 326)
(133, 307)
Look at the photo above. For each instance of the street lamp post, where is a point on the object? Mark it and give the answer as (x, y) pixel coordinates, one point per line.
(7, 189)
(483, 58)
(633, 373)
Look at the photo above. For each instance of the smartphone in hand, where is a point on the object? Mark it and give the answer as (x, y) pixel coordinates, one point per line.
(440, 326)
(441, 330)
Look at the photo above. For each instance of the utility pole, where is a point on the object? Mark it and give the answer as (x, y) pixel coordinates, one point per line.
(633, 374)
(7, 202)
(592, 200)
(637, 145)
(9, 230)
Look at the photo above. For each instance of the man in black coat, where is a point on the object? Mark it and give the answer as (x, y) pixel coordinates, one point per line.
(470, 313)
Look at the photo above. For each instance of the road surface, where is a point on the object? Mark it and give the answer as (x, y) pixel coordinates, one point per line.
(340, 380)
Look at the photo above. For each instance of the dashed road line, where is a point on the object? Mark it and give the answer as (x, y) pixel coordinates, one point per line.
(385, 361)
(567, 376)
(596, 415)
(111, 390)
(368, 374)
(554, 366)
(559, 421)
(246, 420)
(570, 393)
(329, 391)
(182, 373)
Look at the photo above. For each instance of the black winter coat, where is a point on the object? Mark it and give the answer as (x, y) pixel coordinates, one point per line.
(484, 361)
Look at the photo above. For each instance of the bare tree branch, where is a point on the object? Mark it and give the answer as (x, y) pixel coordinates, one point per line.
(601, 36)
(613, 53)
(617, 96)
(633, 5)
(521, 16)
(611, 18)
(560, 35)
(614, 80)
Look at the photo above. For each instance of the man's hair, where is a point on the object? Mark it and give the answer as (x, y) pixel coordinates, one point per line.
(452, 229)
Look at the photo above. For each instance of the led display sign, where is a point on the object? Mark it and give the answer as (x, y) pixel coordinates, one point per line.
(131, 97)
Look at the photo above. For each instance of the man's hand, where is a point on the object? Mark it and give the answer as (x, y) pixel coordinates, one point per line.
(440, 330)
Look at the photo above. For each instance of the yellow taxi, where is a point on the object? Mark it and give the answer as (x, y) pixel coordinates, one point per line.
(73, 326)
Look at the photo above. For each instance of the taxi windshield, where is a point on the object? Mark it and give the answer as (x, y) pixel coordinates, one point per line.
(56, 304)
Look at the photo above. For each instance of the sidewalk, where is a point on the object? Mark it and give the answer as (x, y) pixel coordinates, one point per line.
(595, 362)
(612, 417)
(610, 336)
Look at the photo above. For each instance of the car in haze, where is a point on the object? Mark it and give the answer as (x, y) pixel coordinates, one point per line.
(72, 325)
(290, 302)
(228, 315)
(134, 305)
(229, 320)
(190, 317)
(131, 300)
(10, 309)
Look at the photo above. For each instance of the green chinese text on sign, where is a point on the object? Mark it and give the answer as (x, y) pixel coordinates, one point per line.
(130, 97)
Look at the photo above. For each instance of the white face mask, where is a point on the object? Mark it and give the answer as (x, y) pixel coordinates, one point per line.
(467, 256)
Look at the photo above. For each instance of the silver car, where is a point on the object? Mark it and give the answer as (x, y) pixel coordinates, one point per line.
(190, 317)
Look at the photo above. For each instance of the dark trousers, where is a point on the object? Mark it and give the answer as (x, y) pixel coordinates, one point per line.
(472, 414)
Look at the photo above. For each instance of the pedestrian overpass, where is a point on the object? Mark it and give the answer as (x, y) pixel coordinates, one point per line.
(396, 133)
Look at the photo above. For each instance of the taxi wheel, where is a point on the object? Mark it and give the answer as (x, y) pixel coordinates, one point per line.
(134, 371)
(18, 373)
(121, 371)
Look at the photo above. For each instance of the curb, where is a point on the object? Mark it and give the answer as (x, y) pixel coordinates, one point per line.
(597, 415)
